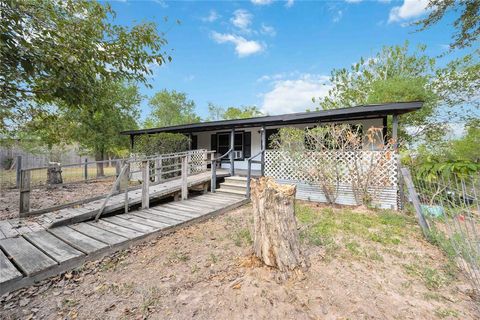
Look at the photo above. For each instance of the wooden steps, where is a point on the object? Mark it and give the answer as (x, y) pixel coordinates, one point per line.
(233, 185)
(34, 256)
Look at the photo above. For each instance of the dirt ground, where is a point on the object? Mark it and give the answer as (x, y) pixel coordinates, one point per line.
(41, 198)
(364, 265)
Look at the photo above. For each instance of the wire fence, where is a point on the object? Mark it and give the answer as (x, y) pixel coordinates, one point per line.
(451, 208)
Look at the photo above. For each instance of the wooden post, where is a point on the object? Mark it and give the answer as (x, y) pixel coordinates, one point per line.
(118, 169)
(205, 160)
(184, 177)
(85, 169)
(232, 152)
(276, 238)
(25, 177)
(401, 193)
(407, 177)
(126, 178)
(145, 185)
(263, 146)
(158, 169)
(19, 171)
(213, 183)
(395, 131)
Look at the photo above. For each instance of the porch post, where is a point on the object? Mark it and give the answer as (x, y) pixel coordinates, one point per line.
(132, 142)
(189, 141)
(263, 146)
(395, 131)
(232, 155)
(401, 193)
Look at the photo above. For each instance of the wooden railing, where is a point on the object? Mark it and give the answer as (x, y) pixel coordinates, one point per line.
(213, 183)
(249, 168)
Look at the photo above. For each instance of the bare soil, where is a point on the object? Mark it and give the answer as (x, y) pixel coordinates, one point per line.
(41, 198)
(364, 265)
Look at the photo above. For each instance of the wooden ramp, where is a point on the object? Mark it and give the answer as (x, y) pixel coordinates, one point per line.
(19, 226)
(34, 256)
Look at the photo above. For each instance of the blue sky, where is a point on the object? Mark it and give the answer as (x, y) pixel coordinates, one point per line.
(272, 54)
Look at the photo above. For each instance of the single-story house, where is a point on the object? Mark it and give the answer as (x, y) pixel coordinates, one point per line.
(248, 136)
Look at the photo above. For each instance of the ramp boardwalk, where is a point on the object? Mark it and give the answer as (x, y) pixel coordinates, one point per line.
(36, 255)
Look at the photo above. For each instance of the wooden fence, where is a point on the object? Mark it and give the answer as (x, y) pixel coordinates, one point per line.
(348, 168)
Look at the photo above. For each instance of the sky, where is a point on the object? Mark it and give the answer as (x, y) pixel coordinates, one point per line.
(276, 55)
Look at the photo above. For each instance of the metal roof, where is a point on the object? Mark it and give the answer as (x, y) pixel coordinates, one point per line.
(342, 114)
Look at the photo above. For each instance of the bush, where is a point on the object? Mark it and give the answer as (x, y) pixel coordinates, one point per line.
(160, 143)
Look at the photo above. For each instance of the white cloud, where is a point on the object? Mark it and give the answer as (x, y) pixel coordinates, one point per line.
(408, 10)
(294, 95)
(212, 16)
(353, 1)
(289, 3)
(242, 19)
(243, 47)
(338, 16)
(268, 30)
(261, 2)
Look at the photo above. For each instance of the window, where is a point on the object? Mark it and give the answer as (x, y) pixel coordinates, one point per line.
(223, 142)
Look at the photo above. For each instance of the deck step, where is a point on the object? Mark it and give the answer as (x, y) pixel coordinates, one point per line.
(236, 186)
(231, 190)
(236, 179)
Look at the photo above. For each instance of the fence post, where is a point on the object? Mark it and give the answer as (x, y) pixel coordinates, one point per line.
(184, 177)
(205, 160)
(158, 169)
(125, 183)
(416, 201)
(145, 184)
(118, 168)
(25, 176)
(213, 183)
(85, 169)
(19, 170)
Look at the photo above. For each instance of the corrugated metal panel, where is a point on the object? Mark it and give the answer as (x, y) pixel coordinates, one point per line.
(385, 198)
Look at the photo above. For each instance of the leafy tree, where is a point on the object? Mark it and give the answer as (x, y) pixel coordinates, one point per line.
(392, 75)
(219, 113)
(467, 146)
(467, 23)
(56, 51)
(171, 108)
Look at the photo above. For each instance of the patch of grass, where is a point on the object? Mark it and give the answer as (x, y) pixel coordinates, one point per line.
(194, 269)
(444, 313)
(213, 258)
(242, 237)
(178, 257)
(431, 277)
(354, 247)
(150, 300)
(375, 255)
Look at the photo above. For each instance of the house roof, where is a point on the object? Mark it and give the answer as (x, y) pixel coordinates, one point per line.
(342, 114)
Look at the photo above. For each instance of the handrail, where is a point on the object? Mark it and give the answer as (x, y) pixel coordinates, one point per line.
(112, 191)
(213, 182)
(249, 170)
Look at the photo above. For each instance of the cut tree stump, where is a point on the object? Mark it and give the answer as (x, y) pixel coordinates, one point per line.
(54, 174)
(276, 239)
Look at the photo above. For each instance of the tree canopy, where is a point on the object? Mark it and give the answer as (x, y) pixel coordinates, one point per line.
(219, 113)
(169, 108)
(56, 51)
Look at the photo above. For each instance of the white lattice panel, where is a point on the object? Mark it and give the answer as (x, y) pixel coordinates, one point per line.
(197, 160)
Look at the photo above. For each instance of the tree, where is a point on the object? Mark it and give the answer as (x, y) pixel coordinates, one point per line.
(392, 75)
(231, 113)
(56, 51)
(171, 108)
(467, 24)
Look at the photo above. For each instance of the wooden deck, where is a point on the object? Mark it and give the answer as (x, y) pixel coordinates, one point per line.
(37, 255)
(19, 226)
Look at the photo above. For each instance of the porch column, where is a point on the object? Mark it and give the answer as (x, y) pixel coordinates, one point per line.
(189, 141)
(395, 131)
(132, 142)
(263, 146)
(232, 156)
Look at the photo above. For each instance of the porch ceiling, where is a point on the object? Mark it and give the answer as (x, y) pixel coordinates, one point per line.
(343, 114)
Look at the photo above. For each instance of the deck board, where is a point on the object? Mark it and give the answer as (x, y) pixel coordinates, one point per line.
(167, 221)
(8, 272)
(78, 240)
(52, 246)
(142, 220)
(99, 234)
(119, 230)
(26, 256)
(169, 215)
(129, 224)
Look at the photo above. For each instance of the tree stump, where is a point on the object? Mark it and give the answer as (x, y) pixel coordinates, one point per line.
(54, 174)
(276, 239)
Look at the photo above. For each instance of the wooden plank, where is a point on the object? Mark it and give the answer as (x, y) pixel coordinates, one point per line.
(8, 272)
(194, 212)
(113, 228)
(2, 236)
(130, 224)
(223, 197)
(205, 204)
(143, 220)
(24, 206)
(52, 246)
(169, 215)
(34, 226)
(77, 240)
(7, 229)
(99, 234)
(198, 210)
(159, 218)
(26, 256)
(176, 212)
(145, 184)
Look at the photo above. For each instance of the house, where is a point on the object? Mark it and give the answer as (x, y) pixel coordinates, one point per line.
(248, 137)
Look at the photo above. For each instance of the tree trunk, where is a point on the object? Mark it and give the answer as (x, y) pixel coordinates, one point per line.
(54, 174)
(99, 157)
(276, 240)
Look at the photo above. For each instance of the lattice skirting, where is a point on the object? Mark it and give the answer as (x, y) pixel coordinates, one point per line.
(386, 197)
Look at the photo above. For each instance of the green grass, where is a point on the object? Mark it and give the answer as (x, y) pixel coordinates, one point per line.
(431, 277)
(320, 226)
(242, 237)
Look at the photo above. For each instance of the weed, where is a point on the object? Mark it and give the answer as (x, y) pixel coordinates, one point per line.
(443, 313)
(432, 278)
(194, 269)
(354, 248)
(213, 258)
(242, 237)
(178, 256)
